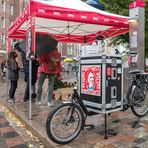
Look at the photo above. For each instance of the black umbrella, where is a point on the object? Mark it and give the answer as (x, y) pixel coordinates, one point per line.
(44, 44)
(22, 45)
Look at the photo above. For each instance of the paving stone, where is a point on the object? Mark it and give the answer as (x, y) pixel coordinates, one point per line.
(140, 140)
(135, 147)
(6, 129)
(10, 134)
(14, 141)
(4, 124)
(2, 140)
(116, 121)
(3, 145)
(2, 120)
(110, 132)
(20, 146)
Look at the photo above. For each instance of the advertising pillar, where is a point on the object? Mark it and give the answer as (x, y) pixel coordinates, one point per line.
(137, 31)
(136, 39)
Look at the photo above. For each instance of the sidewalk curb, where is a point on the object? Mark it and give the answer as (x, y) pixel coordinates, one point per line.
(33, 126)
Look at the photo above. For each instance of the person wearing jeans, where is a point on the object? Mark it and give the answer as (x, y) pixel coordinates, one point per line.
(51, 80)
(50, 66)
(35, 65)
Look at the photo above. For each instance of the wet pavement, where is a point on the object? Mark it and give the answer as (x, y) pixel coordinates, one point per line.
(125, 130)
(9, 138)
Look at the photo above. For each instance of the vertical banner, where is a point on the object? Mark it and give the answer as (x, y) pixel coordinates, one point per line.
(30, 38)
(91, 79)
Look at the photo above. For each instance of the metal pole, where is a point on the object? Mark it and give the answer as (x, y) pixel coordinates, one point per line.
(30, 88)
(6, 76)
(30, 79)
(7, 56)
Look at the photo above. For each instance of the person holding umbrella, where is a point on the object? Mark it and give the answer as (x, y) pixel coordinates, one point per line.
(50, 66)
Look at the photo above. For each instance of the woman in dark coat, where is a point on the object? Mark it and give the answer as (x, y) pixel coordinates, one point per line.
(13, 75)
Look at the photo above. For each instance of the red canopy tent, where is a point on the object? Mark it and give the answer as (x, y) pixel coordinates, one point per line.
(68, 21)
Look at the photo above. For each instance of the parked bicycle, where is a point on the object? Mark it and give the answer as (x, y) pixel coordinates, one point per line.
(65, 122)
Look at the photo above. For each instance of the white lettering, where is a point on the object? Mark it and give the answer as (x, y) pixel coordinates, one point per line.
(56, 13)
(95, 18)
(70, 15)
(116, 21)
(106, 20)
(22, 16)
(83, 17)
(41, 10)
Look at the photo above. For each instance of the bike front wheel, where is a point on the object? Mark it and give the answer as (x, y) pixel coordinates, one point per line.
(64, 123)
(140, 98)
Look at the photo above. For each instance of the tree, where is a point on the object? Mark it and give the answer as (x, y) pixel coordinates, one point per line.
(121, 8)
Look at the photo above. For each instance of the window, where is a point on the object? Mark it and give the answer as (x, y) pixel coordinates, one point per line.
(3, 39)
(11, 22)
(3, 22)
(3, 6)
(11, 10)
(69, 49)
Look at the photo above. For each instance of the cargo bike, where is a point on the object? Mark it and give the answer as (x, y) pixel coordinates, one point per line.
(100, 91)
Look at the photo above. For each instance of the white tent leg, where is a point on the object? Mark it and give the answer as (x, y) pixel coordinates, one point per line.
(30, 88)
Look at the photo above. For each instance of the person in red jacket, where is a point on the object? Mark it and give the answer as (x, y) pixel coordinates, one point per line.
(50, 67)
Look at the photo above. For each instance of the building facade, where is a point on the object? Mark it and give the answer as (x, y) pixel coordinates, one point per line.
(9, 11)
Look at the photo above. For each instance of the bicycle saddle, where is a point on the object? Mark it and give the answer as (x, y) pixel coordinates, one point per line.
(135, 71)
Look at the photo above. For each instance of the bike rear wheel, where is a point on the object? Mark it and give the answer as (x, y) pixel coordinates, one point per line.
(140, 94)
(64, 123)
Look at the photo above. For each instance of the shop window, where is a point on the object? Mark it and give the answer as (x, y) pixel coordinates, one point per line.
(69, 49)
(11, 10)
(3, 39)
(3, 6)
(3, 22)
(11, 22)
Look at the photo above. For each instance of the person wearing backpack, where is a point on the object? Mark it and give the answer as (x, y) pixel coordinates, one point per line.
(50, 66)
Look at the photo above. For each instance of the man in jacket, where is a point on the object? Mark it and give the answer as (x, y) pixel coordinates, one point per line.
(35, 65)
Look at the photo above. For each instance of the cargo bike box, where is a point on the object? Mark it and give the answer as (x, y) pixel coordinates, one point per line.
(100, 83)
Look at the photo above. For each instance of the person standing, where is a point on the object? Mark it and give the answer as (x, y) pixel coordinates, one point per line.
(50, 66)
(35, 65)
(13, 75)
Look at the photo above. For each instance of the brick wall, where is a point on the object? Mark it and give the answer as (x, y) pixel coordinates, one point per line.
(8, 17)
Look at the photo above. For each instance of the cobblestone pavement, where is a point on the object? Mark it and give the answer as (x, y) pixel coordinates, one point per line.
(9, 138)
(127, 130)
